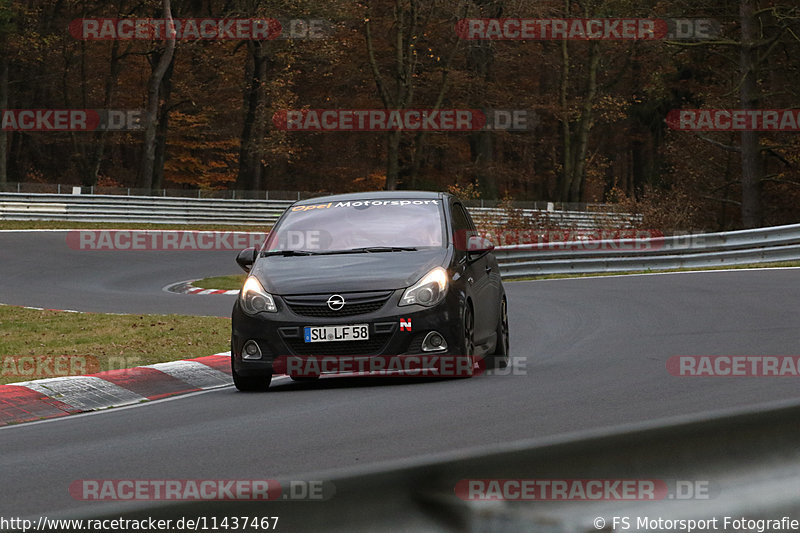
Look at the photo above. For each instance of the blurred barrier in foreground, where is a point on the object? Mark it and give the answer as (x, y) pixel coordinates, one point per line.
(743, 465)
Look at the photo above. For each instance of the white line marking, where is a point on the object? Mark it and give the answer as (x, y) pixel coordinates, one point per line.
(30, 230)
(124, 408)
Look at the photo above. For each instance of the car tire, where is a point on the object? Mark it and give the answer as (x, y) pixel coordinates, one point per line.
(500, 356)
(250, 383)
(468, 332)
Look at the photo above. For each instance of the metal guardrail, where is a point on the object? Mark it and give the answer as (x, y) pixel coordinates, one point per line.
(581, 220)
(739, 464)
(781, 243)
(140, 209)
(176, 210)
(232, 194)
(762, 245)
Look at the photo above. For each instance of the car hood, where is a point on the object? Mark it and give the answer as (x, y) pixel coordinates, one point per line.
(345, 272)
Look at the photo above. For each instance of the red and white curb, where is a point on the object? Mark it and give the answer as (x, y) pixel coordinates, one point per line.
(203, 292)
(55, 397)
(186, 287)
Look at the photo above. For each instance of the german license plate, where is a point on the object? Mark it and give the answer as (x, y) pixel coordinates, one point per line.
(357, 332)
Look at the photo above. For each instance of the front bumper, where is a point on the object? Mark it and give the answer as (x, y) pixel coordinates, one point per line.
(393, 331)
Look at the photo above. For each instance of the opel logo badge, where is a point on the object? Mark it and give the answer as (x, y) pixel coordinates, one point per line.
(335, 302)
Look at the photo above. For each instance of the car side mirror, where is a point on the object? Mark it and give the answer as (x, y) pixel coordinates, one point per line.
(477, 245)
(246, 258)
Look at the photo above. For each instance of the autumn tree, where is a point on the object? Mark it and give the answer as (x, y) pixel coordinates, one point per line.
(6, 28)
(410, 51)
(762, 33)
(160, 67)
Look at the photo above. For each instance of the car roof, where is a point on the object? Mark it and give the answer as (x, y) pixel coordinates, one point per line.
(374, 195)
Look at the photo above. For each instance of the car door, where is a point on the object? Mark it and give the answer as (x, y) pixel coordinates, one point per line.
(492, 268)
(478, 275)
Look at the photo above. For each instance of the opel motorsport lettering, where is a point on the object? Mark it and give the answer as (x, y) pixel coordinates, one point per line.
(369, 282)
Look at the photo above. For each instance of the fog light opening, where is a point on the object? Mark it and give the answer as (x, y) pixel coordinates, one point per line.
(251, 350)
(434, 342)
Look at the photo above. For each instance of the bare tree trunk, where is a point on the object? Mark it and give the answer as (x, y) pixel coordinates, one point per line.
(566, 133)
(163, 127)
(584, 127)
(251, 146)
(3, 105)
(99, 137)
(482, 143)
(576, 141)
(406, 27)
(149, 155)
(392, 159)
(752, 164)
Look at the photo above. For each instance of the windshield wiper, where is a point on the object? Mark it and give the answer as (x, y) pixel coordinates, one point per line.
(388, 249)
(287, 253)
(366, 249)
(371, 249)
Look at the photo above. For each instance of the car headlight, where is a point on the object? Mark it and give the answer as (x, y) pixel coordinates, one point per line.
(254, 299)
(428, 291)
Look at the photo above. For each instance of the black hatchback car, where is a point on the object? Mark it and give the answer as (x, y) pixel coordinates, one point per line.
(357, 282)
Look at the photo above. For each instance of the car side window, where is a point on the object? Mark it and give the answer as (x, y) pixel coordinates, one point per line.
(462, 227)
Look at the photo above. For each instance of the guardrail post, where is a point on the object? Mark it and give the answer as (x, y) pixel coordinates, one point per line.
(91, 190)
(59, 188)
(17, 186)
(129, 191)
(298, 196)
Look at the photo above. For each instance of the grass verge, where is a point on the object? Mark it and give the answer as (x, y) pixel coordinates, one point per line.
(225, 283)
(722, 267)
(102, 341)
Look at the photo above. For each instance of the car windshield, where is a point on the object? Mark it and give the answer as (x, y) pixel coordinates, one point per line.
(368, 225)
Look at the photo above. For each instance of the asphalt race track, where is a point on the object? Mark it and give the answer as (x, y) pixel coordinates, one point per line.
(39, 269)
(591, 354)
